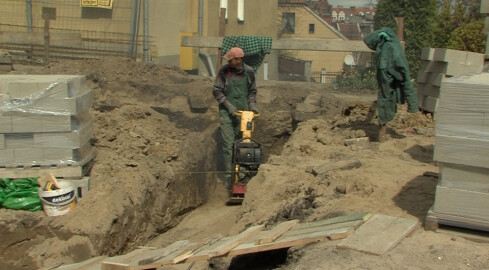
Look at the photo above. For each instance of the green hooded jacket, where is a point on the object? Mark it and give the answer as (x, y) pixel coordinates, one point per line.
(392, 74)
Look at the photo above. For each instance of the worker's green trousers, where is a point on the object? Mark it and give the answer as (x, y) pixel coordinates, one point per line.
(230, 131)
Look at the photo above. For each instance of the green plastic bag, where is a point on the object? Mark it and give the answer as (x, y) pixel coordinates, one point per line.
(20, 194)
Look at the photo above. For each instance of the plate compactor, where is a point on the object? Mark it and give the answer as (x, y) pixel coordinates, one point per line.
(247, 157)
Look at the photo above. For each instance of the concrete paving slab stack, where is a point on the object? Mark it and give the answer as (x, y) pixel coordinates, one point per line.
(441, 63)
(462, 147)
(45, 121)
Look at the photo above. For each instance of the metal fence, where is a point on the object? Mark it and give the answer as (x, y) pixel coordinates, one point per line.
(36, 30)
(324, 77)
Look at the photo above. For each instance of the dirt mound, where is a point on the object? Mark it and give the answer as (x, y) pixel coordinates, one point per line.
(155, 179)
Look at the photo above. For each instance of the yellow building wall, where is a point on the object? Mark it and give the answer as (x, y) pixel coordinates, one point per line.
(259, 19)
(331, 61)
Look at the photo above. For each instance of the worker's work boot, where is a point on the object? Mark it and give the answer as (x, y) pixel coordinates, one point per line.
(382, 133)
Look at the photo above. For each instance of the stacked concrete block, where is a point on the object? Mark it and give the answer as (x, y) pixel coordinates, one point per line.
(462, 147)
(440, 63)
(45, 120)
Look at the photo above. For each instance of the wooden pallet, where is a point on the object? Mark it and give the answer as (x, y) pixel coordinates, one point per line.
(59, 171)
(252, 240)
(474, 230)
(435, 220)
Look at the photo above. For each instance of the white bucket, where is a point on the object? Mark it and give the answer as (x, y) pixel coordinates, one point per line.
(58, 202)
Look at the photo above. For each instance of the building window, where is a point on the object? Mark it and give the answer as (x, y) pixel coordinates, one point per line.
(334, 16)
(288, 23)
(224, 4)
(240, 11)
(341, 17)
(311, 28)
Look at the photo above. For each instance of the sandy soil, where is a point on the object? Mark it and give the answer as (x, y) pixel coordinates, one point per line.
(156, 180)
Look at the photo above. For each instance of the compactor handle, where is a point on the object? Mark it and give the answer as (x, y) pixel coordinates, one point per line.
(240, 113)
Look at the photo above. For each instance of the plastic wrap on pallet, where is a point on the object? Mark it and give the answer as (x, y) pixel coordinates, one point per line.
(70, 139)
(44, 94)
(45, 120)
(47, 156)
(464, 177)
(468, 92)
(462, 126)
(465, 124)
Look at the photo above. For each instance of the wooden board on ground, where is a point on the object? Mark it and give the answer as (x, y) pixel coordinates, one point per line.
(284, 235)
(141, 258)
(306, 233)
(90, 264)
(379, 234)
(225, 245)
(276, 232)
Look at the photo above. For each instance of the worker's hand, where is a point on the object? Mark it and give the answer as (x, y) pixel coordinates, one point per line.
(254, 109)
(230, 107)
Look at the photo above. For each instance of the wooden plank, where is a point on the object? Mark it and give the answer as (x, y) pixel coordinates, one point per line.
(364, 216)
(303, 44)
(172, 258)
(160, 253)
(225, 245)
(286, 242)
(276, 232)
(37, 38)
(379, 234)
(145, 258)
(62, 171)
(176, 256)
(90, 264)
(307, 229)
(121, 261)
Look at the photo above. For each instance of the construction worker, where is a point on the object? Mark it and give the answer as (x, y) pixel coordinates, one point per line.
(393, 77)
(234, 89)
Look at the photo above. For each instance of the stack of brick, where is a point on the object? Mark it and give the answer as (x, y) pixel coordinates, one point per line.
(45, 121)
(462, 147)
(440, 63)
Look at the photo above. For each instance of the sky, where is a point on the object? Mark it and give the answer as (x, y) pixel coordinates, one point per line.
(349, 3)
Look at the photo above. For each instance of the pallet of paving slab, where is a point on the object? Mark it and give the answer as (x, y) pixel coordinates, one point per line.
(77, 171)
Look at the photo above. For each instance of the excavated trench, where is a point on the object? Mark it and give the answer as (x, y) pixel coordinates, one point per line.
(156, 162)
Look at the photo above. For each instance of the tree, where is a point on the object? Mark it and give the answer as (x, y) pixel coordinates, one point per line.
(469, 37)
(419, 24)
(444, 24)
(453, 14)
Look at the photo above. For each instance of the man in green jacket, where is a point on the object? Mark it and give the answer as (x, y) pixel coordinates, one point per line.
(234, 89)
(393, 78)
